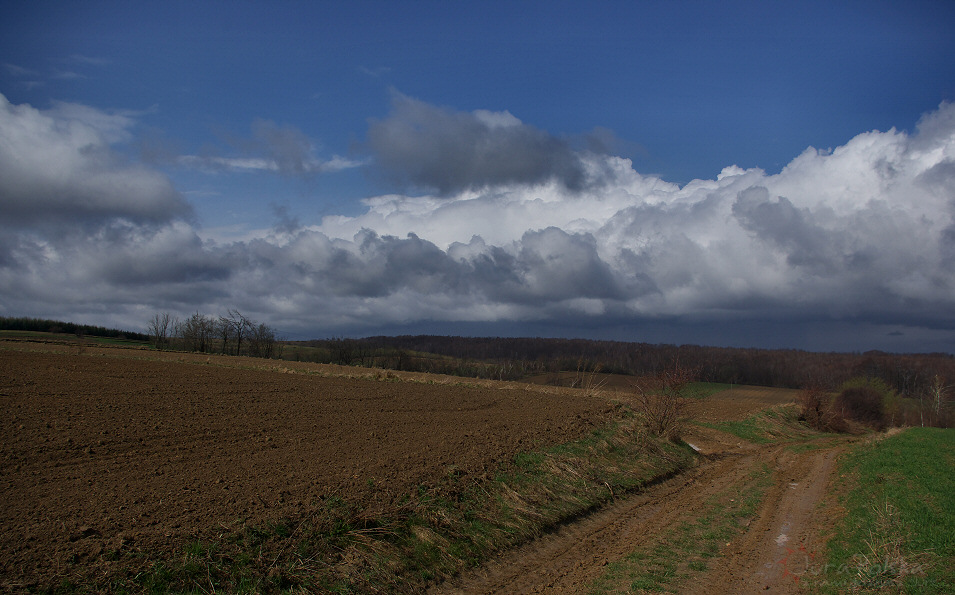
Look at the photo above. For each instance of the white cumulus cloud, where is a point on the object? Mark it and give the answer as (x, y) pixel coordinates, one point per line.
(863, 233)
(59, 165)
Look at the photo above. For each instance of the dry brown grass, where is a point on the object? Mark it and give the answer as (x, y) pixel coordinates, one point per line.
(884, 567)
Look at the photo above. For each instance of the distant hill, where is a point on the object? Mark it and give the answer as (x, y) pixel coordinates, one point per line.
(514, 358)
(509, 358)
(58, 326)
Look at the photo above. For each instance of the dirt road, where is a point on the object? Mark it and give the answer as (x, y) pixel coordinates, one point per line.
(772, 550)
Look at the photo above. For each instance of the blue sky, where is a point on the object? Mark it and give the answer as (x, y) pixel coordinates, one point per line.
(737, 173)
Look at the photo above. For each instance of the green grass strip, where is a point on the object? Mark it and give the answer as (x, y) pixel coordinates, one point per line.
(899, 531)
(771, 425)
(701, 390)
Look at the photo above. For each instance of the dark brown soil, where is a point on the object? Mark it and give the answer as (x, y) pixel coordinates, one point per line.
(107, 448)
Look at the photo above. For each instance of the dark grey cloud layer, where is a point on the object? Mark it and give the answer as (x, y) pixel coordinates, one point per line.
(858, 239)
(448, 151)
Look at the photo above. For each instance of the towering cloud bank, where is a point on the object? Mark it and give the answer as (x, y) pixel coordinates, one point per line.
(865, 229)
(519, 226)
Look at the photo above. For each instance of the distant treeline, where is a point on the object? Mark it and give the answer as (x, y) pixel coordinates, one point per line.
(58, 326)
(233, 334)
(911, 375)
(513, 358)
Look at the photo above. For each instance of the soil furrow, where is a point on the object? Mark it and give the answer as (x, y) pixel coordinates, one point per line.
(110, 454)
(98, 452)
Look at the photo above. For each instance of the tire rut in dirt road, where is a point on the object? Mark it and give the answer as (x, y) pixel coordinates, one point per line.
(781, 544)
(569, 559)
(573, 557)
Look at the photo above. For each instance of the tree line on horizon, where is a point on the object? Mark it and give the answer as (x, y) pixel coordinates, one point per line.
(44, 325)
(514, 358)
(232, 334)
(913, 376)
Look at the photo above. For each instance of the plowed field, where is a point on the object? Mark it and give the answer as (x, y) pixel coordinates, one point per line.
(107, 450)
(102, 448)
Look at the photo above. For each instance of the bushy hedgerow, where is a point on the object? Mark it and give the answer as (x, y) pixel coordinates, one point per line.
(869, 401)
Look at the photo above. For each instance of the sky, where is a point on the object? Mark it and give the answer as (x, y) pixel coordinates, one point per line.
(745, 174)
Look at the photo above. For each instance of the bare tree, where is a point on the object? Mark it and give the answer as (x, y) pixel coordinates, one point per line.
(159, 328)
(196, 332)
(936, 392)
(344, 350)
(223, 329)
(239, 327)
(261, 340)
(659, 398)
(204, 333)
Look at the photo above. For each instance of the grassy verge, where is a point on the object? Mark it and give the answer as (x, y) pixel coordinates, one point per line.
(402, 545)
(688, 547)
(771, 425)
(701, 390)
(898, 534)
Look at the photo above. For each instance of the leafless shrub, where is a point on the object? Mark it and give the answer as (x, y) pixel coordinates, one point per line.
(659, 399)
(812, 404)
(816, 409)
(587, 378)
